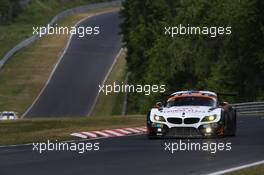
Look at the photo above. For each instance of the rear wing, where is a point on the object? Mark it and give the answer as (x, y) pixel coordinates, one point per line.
(230, 94)
(220, 95)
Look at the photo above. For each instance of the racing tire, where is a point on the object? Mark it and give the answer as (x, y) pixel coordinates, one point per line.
(234, 123)
(230, 123)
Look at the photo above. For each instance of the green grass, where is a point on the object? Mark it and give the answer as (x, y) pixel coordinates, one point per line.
(112, 103)
(36, 13)
(255, 170)
(37, 130)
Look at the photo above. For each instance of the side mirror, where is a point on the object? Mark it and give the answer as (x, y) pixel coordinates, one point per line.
(158, 105)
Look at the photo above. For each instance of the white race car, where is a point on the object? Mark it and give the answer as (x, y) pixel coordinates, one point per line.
(192, 114)
(8, 115)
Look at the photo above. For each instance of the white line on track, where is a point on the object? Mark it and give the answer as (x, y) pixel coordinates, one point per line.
(237, 168)
(103, 82)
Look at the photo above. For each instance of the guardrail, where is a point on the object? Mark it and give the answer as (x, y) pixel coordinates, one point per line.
(55, 20)
(250, 108)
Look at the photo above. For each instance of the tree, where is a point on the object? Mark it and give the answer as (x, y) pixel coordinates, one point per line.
(224, 63)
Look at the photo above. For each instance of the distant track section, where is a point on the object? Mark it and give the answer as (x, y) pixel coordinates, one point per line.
(73, 87)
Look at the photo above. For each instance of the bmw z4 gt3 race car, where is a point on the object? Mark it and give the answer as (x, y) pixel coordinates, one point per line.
(192, 114)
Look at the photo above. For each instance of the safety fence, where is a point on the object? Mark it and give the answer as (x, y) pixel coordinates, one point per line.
(250, 108)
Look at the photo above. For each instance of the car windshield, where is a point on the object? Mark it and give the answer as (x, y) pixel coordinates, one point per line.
(192, 101)
(8, 114)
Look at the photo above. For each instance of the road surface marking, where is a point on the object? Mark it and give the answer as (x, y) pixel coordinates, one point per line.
(113, 132)
(237, 168)
(133, 130)
(89, 134)
(123, 131)
(102, 133)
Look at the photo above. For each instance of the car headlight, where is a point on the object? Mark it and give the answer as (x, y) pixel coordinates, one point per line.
(159, 118)
(209, 118)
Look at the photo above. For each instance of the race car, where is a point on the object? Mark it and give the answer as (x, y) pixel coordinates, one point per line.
(192, 114)
(8, 115)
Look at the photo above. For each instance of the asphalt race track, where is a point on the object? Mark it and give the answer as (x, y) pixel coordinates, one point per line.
(132, 155)
(73, 87)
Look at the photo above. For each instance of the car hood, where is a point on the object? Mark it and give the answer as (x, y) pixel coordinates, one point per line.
(186, 111)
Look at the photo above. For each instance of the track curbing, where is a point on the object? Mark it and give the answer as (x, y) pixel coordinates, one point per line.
(110, 132)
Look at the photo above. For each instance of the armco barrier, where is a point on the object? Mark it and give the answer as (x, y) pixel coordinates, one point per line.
(55, 20)
(250, 108)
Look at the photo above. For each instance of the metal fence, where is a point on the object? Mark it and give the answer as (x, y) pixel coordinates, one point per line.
(55, 20)
(250, 108)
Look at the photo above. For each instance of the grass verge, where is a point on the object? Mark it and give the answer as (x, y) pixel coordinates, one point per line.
(25, 74)
(255, 170)
(111, 104)
(40, 130)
